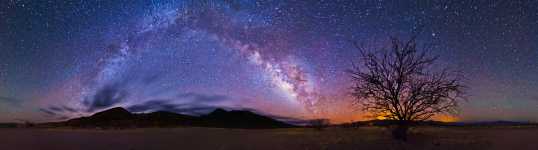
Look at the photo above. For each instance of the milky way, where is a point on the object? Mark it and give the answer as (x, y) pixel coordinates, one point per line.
(65, 59)
(210, 25)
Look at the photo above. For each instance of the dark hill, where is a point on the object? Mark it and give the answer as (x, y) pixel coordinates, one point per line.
(115, 117)
(220, 118)
(117, 113)
(165, 118)
(240, 119)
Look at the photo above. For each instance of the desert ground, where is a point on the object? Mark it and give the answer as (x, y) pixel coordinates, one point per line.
(523, 138)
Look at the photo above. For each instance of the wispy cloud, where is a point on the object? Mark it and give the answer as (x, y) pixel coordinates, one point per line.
(202, 98)
(166, 105)
(48, 111)
(57, 110)
(105, 97)
(10, 100)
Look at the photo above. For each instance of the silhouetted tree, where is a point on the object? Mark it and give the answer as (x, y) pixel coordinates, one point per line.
(320, 124)
(401, 83)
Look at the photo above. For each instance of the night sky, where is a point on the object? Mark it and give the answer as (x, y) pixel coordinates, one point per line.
(63, 59)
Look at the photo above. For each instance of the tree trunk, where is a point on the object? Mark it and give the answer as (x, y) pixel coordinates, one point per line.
(400, 132)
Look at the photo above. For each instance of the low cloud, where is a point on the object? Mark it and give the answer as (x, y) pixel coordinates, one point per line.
(105, 97)
(10, 100)
(57, 110)
(153, 105)
(166, 105)
(47, 111)
(202, 98)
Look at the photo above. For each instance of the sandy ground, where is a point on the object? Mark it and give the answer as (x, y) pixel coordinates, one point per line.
(274, 139)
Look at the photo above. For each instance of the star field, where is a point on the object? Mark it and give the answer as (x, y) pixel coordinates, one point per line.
(61, 59)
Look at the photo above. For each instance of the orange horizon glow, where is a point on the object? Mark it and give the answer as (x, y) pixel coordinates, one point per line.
(365, 117)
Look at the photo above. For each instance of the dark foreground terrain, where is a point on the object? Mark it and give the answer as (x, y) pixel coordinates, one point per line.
(524, 138)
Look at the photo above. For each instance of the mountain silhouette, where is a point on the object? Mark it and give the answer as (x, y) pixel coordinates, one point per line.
(121, 118)
(115, 117)
(117, 113)
(240, 119)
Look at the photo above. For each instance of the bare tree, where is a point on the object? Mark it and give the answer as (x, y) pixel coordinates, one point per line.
(320, 124)
(401, 84)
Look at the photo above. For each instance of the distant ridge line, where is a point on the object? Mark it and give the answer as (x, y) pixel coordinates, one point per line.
(119, 117)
